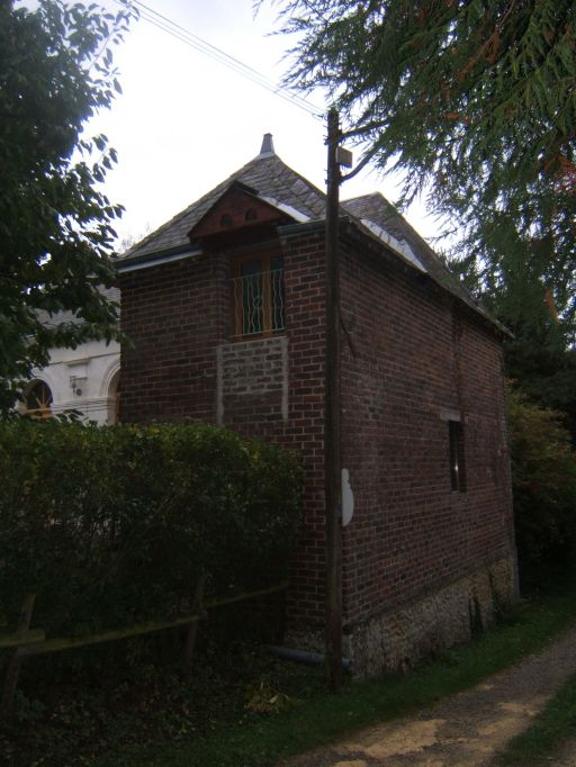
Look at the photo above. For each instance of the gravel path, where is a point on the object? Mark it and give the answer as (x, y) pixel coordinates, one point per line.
(465, 730)
(567, 756)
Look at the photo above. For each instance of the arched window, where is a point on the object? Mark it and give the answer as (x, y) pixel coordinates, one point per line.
(38, 400)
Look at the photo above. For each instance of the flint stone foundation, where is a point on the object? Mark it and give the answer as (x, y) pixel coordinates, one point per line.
(399, 639)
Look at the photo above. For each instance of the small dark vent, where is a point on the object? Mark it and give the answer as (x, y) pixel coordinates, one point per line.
(226, 221)
(251, 215)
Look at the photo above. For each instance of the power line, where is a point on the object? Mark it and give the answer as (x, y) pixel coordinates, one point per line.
(218, 54)
(231, 62)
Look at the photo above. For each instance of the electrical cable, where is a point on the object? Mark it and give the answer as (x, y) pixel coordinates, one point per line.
(179, 32)
(222, 55)
(241, 70)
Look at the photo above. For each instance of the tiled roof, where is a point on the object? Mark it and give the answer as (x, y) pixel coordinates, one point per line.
(375, 207)
(271, 178)
(267, 174)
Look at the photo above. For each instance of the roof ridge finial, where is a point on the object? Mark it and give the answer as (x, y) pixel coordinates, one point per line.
(267, 148)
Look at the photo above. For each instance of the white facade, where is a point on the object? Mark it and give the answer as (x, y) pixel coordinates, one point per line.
(84, 379)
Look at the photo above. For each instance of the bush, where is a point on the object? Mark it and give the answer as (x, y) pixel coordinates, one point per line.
(110, 526)
(544, 487)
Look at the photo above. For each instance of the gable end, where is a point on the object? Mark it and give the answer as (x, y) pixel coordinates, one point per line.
(239, 207)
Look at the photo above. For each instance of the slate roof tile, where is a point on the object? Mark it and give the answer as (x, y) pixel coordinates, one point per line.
(270, 177)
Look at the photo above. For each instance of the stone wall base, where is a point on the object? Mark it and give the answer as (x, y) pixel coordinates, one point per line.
(396, 640)
(399, 639)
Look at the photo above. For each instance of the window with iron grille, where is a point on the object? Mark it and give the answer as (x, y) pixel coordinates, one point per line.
(258, 293)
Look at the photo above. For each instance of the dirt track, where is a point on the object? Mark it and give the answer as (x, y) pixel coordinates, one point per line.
(465, 730)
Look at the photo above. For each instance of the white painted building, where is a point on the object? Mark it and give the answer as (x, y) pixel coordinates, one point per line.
(84, 379)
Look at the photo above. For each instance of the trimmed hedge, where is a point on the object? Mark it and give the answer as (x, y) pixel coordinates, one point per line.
(110, 526)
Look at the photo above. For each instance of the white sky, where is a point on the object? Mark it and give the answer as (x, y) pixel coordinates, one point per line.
(185, 122)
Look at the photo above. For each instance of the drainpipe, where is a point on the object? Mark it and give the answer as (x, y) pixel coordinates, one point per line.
(306, 657)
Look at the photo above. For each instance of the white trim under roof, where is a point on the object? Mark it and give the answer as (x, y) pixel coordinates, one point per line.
(400, 247)
(297, 215)
(133, 267)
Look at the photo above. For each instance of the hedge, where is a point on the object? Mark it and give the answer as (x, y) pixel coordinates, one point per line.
(110, 526)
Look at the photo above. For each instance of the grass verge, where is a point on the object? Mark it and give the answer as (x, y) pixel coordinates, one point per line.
(546, 737)
(323, 718)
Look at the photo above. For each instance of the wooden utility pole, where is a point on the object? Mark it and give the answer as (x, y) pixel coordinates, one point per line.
(333, 481)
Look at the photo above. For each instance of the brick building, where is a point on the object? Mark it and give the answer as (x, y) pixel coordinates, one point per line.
(225, 308)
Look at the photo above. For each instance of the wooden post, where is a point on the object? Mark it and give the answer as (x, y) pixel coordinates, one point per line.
(333, 486)
(13, 670)
(192, 633)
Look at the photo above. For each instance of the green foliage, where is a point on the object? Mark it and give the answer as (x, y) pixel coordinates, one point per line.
(139, 715)
(539, 357)
(474, 102)
(264, 698)
(544, 369)
(549, 733)
(56, 234)
(326, 718)
(127, 707)
(111, 526)
(544, 488)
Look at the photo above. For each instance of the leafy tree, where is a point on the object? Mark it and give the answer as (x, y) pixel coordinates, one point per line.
(56, 234)
(544, 485)
(474, 101)
(539, 357)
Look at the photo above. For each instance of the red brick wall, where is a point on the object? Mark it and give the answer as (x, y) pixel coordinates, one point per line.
(177, 316)
(414, 358)
(305, 326)
(417, 358)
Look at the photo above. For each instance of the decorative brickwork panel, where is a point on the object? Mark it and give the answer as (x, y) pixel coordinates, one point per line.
(253, 380)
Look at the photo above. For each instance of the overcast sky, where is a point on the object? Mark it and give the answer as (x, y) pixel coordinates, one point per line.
(185, 122)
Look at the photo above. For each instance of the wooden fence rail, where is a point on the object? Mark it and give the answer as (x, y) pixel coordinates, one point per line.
(8, 641)
(28, 642)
